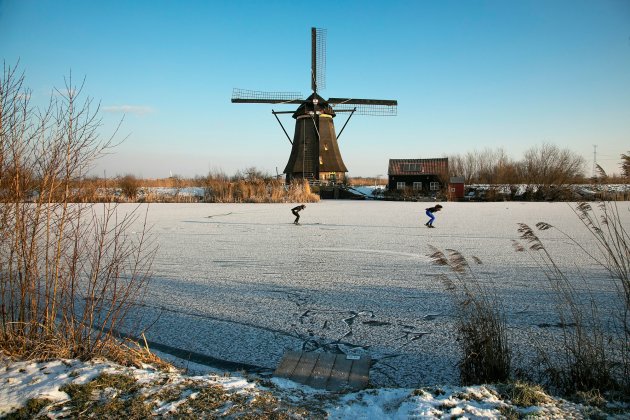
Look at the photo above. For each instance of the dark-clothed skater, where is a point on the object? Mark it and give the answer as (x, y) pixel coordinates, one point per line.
(430, 212)
(296, 212)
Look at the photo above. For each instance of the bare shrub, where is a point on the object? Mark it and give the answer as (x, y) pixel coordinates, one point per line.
(596, 346)
(480, 319)
(129, 185)
(551, 169)
(251, 174)
(68, 272)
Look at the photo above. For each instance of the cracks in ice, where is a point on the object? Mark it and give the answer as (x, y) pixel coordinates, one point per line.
(352, 331)
(345, 332)
(219, 215)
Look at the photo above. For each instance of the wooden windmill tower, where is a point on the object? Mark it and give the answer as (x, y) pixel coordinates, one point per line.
(315, 151)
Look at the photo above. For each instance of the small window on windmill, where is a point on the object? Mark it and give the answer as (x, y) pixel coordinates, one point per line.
(321, 161)
(326, 146)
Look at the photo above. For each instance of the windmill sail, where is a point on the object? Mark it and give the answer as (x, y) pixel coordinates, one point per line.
(318, 59)
(374, 107)
(260, 97)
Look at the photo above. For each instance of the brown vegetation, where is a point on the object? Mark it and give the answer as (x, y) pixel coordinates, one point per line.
(68, 272)
(249, 186)
(254, 188)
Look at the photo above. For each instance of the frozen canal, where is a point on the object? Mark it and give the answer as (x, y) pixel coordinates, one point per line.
(241, 283)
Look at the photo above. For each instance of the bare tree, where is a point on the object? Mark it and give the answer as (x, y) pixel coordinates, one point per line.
(550, 169)
(68, 272)
(466, 166)
(625, 165)
(485, 167)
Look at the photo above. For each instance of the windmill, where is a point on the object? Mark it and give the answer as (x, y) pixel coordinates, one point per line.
(315, 151)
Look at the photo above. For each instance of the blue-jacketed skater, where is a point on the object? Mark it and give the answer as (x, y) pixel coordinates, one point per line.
(430, 212)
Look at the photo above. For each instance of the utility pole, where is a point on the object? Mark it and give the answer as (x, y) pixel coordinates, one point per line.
(594, 159)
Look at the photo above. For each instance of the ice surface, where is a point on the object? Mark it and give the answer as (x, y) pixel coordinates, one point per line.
(241, 282)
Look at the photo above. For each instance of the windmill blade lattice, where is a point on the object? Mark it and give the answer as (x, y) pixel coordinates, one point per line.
(261, 97)
(373, 107)
(318, 59)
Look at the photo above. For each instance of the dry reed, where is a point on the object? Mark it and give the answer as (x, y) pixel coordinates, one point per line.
(480, 320)
(595, 349)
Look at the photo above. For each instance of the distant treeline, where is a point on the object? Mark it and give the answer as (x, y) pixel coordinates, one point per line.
(541, 165)
(545, 172)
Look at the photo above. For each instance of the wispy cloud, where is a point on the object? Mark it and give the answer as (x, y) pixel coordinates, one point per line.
(129, 109)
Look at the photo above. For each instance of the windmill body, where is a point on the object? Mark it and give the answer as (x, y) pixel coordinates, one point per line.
(315, 154)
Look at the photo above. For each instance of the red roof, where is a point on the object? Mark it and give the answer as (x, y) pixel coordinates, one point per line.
(418, 166)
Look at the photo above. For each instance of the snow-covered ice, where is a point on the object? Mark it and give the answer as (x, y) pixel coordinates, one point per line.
(241, 283)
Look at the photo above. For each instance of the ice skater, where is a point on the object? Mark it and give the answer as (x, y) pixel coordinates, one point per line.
(430, 212)
(296, 212)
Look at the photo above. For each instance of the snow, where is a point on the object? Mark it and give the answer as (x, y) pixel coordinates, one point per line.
(24, 380)
(241, 283)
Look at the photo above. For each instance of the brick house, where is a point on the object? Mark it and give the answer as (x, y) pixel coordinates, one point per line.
(417, 176)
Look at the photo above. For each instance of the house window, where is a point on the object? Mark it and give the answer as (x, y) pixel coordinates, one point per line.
(435, 186)
(417, 186)
(400, 185)
(411, 167)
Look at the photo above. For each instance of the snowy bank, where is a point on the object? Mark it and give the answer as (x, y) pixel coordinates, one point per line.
(173, 394)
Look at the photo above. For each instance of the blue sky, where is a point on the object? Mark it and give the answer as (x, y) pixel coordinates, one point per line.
(467, 75)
